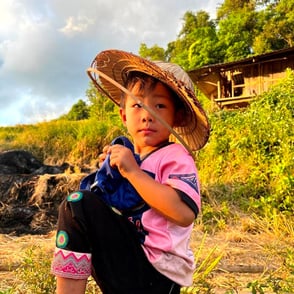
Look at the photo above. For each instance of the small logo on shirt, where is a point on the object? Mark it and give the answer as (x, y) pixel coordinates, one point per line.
(190, 179)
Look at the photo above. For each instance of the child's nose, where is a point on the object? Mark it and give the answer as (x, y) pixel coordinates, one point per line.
(146, 116)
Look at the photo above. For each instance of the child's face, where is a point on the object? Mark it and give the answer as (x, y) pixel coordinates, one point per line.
(147, 132)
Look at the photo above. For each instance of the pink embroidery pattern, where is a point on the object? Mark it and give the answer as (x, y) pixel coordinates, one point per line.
(69, 264)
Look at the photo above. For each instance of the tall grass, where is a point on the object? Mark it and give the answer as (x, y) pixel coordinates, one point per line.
(77, 142)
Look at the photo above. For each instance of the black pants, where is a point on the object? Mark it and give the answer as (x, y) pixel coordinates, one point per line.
(119, 264)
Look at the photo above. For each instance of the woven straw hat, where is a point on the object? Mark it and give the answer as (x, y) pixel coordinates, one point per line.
(109, 71)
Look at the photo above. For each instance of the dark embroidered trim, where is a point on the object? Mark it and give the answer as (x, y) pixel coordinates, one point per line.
(189, 201)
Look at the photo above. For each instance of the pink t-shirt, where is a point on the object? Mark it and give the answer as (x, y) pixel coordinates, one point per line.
(165, 243)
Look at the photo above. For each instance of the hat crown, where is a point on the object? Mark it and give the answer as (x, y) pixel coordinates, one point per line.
(177, 72)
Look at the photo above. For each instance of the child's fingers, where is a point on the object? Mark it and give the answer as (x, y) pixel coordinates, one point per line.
(102, 156)
(105, 149)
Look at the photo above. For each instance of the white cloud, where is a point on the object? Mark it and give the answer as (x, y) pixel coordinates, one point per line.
(46, 46)
(75, 25)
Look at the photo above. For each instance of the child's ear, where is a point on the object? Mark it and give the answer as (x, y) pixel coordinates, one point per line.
(123, 115)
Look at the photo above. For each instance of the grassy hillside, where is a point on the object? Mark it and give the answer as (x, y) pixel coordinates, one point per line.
(76, 142)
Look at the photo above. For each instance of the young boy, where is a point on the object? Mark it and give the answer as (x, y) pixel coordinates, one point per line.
(144, 250)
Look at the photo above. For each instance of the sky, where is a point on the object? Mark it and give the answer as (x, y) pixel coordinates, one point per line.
(47, 45)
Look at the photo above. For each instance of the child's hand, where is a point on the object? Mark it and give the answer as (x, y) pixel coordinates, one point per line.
(103, 155)
(122, 158)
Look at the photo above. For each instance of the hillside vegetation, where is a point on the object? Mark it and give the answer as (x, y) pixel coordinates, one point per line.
(250, 155)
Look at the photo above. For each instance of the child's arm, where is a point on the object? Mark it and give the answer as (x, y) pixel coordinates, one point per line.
(160, 197)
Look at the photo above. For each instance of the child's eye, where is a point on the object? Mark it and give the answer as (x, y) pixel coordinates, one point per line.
(137, 105)
(159, 106)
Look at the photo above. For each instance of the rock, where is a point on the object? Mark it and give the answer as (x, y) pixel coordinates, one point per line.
(23, 162)
(18, 162)
(30, 192)
(53, 170)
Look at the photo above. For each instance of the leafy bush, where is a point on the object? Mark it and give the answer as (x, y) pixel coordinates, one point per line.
(252, 151)
(34, 272)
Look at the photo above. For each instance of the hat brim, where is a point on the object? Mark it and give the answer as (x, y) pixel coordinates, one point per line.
(116, 64)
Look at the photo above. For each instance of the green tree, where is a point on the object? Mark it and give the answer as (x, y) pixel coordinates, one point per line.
(79, 111)
(237, 29)
(277, 27)
(254, 27)
(193, 21)
(153, 53)
(230, 6)
(196, 44)
(242, 28)
(100, 106)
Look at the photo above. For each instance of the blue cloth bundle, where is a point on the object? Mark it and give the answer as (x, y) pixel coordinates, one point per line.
(108, 183)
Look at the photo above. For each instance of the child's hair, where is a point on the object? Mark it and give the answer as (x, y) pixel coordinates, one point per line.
(146, 81)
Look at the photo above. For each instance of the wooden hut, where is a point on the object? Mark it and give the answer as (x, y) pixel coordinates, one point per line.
(235, 84)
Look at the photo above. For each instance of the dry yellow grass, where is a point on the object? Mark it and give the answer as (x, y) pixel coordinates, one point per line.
(247, 255)
(12, 251)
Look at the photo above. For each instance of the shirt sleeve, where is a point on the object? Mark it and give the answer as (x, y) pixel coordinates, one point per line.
(179, 171)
